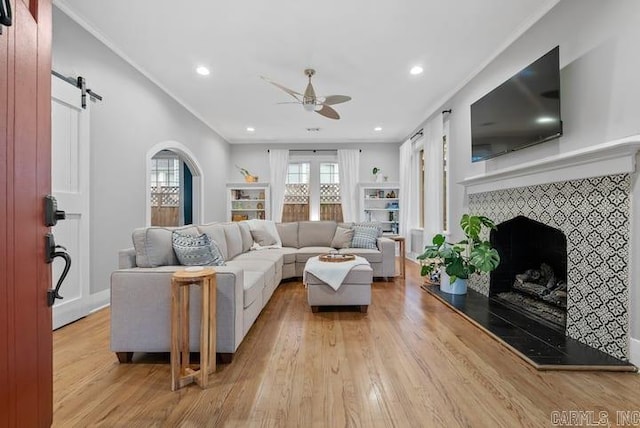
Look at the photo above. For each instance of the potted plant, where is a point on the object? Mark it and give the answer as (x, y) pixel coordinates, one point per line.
(376, 174)
(248, 178)
(457, 261)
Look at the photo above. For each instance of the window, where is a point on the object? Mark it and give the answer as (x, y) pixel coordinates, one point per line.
(296, 196)
(312, 192)
(165, 190)
(421, 187)
(445, 176)
(330, 205)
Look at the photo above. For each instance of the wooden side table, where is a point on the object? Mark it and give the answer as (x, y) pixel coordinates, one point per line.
(181, 373)
(401, 243)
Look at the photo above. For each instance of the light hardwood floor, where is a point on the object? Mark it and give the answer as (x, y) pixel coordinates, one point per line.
(410, 361)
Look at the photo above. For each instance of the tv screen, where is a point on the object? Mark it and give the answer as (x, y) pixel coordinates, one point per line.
(523, 111)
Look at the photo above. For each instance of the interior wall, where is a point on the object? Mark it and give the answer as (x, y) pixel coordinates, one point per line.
(599, 60)
(134, 116)
(255, 159)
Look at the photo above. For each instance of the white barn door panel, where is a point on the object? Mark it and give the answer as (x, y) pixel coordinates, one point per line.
(70, 186)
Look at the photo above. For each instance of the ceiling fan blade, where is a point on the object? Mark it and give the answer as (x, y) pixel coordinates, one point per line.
(335, 99)
(291, 92)
(290, 102)
(329, 112)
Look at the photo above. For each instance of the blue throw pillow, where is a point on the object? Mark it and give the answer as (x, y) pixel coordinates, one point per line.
(196, 250)
(365, 237)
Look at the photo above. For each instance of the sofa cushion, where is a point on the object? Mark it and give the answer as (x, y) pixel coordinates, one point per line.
(273, 255)
(305, 253)
(196, 250)
(288, 234)
(365, 237)
(154, 247)
(267, 267)
(342, 238)
(316, 233)
(253, 286)
(372, 256)
(247, 239)
(234, 239)
(264, 233)
(215, 231)
(288, 254)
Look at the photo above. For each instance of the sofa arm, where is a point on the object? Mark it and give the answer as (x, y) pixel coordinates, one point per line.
(141, 310)
(388, 249)
(127, 258)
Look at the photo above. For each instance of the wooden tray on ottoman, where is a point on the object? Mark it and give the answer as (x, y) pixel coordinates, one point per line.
(337, 258)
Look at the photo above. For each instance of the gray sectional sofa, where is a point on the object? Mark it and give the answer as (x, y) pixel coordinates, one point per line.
(140, 288)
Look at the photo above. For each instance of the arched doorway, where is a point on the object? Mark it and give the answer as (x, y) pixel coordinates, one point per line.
(174, 186)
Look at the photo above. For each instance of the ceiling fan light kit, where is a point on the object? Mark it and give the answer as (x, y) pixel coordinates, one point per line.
(311, 102)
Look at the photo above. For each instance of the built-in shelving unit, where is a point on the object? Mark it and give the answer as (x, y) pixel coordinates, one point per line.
(246, 201)
(380, 202)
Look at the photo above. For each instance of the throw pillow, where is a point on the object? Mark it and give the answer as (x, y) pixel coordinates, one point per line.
(196, 250)
(264, 233)
(342, 238)
(365, 237)
(375, 224)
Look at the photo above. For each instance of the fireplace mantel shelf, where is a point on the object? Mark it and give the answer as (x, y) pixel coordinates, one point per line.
(613, 157)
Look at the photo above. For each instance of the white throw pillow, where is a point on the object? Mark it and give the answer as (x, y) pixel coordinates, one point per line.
(264, 233)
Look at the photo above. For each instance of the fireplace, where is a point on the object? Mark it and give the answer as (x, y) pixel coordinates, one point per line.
(532, 275)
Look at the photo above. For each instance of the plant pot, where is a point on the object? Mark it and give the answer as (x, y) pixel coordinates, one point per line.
(250, 179)
(379, 178)
(459, 286)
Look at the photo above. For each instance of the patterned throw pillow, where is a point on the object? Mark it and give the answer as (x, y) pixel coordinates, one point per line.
(365, 236)
(196, 250)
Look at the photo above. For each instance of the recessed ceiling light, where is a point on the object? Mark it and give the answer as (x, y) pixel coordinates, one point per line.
(416, 69)
(378, 128)
(251, 129)
(545, 119)
(203, 71)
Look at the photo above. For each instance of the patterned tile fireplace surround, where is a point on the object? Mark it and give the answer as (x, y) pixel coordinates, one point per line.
(587, 195)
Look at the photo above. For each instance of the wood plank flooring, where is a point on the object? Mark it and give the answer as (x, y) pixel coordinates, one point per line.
(409, 362)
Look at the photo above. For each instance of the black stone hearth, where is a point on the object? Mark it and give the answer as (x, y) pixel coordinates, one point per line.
(532, 275)
(543, 347)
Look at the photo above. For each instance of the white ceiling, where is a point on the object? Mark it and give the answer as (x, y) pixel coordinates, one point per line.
(359, 48)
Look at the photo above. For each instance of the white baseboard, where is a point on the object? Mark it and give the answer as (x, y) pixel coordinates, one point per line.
(100, 300)
(634, 352)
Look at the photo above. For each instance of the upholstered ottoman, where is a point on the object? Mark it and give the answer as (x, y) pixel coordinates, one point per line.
(354, 291)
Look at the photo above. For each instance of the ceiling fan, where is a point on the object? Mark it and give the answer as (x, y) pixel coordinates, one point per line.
(310, 101)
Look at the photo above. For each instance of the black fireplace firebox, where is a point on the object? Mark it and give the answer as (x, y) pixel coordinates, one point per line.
(532, 275)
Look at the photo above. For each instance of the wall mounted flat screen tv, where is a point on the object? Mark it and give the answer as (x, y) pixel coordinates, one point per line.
(523, 111)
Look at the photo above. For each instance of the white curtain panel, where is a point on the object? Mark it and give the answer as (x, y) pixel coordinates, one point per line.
(349, 170)
(433, 180)
(408, 193)
(278, 168)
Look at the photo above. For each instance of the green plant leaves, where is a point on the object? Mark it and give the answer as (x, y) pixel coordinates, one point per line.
(471, 226)
(465, 257)
(485, 258)
(438, 239)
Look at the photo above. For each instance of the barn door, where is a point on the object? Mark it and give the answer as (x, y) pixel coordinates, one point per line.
(25, 179)
(70, 186)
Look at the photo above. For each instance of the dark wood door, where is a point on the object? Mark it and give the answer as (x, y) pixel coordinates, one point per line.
(25, 177)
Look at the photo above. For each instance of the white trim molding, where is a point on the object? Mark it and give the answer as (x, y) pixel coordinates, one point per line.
(613, 157)
(99, 300)
(634, 352)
